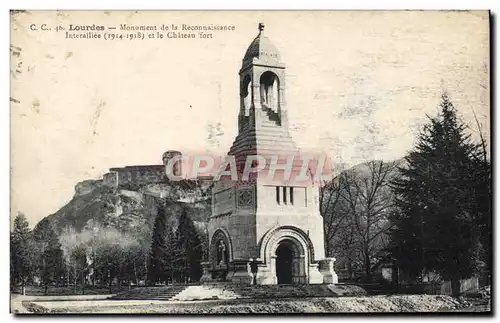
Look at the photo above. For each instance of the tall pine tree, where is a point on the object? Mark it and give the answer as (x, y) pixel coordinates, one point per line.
(158, 246)
(436, 226)
(190, 248)
(22, 253)
(50, 256)
(482, 205)
(176, 250)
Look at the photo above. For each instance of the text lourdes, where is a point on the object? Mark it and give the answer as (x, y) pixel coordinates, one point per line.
(92, 27)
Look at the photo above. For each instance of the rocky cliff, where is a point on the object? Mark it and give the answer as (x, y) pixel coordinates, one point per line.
(97, 205)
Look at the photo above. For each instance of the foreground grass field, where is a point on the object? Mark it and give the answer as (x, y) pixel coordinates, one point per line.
(235, 299)
(370, 304)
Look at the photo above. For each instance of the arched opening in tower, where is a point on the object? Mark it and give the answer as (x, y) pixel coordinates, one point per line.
(246, 94)
(270, 95)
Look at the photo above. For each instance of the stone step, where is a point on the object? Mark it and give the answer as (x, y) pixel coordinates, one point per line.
(146, 293)
(227, 291)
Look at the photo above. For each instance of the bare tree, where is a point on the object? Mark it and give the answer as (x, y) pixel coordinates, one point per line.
(355, 206)
(369, 199)
(333, 212)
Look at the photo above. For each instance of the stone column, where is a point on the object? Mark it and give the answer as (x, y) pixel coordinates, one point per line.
(256, 116)
(230, 273)
(315, 277)
(207, 276)
(282, 104)
(264, 275)
(328, 272)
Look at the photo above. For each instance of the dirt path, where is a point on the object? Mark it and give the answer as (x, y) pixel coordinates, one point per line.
(16, 300)
(16, 305)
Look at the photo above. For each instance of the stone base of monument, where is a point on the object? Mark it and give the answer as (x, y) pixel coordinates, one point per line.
(207, 275)
(264, 275)
(315, 277)
(327, 271)
(219, 273)
(233, 290)
(242, 272)
(254, 272)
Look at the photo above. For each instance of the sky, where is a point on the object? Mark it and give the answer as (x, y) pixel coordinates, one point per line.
(358, 87)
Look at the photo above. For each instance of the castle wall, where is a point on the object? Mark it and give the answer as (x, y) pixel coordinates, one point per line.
(135, 175)
(110, 179)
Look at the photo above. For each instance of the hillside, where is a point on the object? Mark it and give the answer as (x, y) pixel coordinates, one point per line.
(95, 205)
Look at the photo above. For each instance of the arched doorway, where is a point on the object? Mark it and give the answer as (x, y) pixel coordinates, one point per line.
(290, 262)
(284, 264)
(274, 243)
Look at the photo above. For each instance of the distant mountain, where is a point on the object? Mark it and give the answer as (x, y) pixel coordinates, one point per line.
(362, 170)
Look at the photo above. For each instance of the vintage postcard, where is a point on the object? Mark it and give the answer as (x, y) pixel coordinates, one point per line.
(280, 162)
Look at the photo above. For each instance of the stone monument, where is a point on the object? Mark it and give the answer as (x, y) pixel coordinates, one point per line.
(263, 233)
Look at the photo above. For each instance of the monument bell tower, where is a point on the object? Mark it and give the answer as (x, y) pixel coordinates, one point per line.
(263, 232)
(262, 84)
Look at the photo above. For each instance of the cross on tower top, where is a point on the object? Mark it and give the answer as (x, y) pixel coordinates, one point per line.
(261, 27)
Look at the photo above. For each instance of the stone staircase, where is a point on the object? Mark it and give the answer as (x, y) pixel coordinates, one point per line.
(228, 291)
(163, 293)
